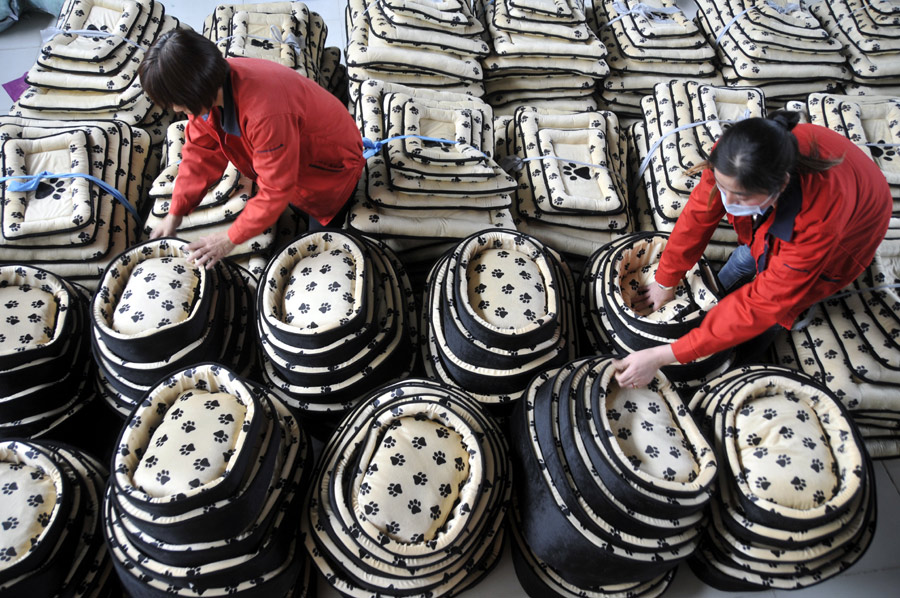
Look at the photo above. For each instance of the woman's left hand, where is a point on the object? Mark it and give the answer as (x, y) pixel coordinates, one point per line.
(207, 251)
(638, 369)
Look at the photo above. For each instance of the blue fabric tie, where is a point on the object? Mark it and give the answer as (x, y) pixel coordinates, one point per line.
(30, 182)
(373, 147)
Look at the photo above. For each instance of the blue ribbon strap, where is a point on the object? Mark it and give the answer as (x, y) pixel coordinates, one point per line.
(373, 147)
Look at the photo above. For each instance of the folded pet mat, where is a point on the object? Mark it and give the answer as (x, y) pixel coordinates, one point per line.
(73, 193)
(337, 318)
(44, 351)
(210, 472)
(409, 495)
(796, 499)
(869, 35)
(155, 312)
(609, 288)
(416, 42)
(647, 42)
(88, 63)
(611, 483)
(849, 345)
(50, 538)
(499, 308)
(772, 44)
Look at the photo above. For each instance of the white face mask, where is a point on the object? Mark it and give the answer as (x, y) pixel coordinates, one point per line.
(739, 210)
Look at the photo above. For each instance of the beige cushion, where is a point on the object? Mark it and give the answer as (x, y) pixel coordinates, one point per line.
(160, 291)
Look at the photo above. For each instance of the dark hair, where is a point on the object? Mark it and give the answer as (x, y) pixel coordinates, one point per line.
(759, 152)
(183, 68)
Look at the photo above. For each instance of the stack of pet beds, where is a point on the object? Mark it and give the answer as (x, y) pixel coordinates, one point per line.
(88, 68)
(682, 121)
(421, 43)
(45, 357)
(336, 319)
(156, 312)
(430, 178)
(775, 45)
(872, 123)
(850, 345)
(869, 31)
(284, 32)
(796, 495)
(611, 483)
(499, 308)
(221, 205)
(609, 288)
(543, 54)
(72, 193)
(209, 475)
(647, 42)
(409, 495)
(571, 171)
(51, 516)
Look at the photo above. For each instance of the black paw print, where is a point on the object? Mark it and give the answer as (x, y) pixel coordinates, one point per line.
(163, 477)
(809, 443)
(497, 273)
(201, 464)
(786, 432)
(798, 483)
(630, 406)
(645, 425)
(769, 414)
(653, 407)
(414, 506)
(220, 436)
(226, 418)
(442, 432)
(389, 442)
(803, 416)
(669, 474)
(334, 287)
(501, 312)
(395, 489)
(35, 500)
(675, 452)
(151, 461)
(445, 490)
(783, 460)
(624, 433)
(162, 440)
(310, 287)
(168, 305)
(817, 466)
(188, 426)
(760, 452)
(435, 512)
(325, 308)
(137, 317)
(187, 449)
(439, 457)
(365, 488)
(575, 172)
(819, 497)
(10, 523)
(652, 451)
(212, 404)
(398, 460)
(420, 479)
(459, 464)
(419, 442)
(371, 508)
(753, 439)
(762, 483)
(392, 528)
(46, 189)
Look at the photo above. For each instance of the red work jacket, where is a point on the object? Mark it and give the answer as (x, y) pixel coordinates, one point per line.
(295, 139)
(821, 234)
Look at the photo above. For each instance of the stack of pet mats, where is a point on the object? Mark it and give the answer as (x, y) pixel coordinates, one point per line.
(209, 476)
(71, 224)
(50, 538)
(872, 123)
(336, 319)
(611, 484)
(682, 121)
(647, 42)
(156, 312)
(221, 205)
(851, 346)
(499, 308)
(775, 45)
(88, 68)
(609, 288)
(425, 192)
(869, 31)
(45, 357)
(410, 495)
(433, 44)
(284, 32)
(571, 170)
(796, 496)
(543, 54)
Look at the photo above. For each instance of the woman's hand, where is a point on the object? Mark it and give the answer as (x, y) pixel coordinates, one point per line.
(652, 297)
(207, 251)
(167, 227)
(638, 369)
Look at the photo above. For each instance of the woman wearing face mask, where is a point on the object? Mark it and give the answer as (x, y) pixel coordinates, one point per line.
(809, 207)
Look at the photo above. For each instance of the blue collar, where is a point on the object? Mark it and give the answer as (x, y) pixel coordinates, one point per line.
(786, 210)
(229, 110)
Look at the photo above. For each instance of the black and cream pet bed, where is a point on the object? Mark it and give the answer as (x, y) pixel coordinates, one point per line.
(50, 538)
(611, 483)
(609, 288)
(45, 355)
(336, 318)
(409, 495)
(209, 475)
(648, 42)
(421, 43)
(155, 312)
(498, 308)
(571, 170)
(75, 199)
(796, 491)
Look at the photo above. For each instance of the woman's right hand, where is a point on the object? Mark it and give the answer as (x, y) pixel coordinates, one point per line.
(652, 297)
(167, 227)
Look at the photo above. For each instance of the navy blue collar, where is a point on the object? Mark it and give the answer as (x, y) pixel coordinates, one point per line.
(786, 209)
(229, 110)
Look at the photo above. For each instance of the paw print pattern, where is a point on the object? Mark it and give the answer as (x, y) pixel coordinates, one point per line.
(420, 478)
(574, 172)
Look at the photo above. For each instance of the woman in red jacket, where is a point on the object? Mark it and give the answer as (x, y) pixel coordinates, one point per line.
(291, 136)
(810, 209)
